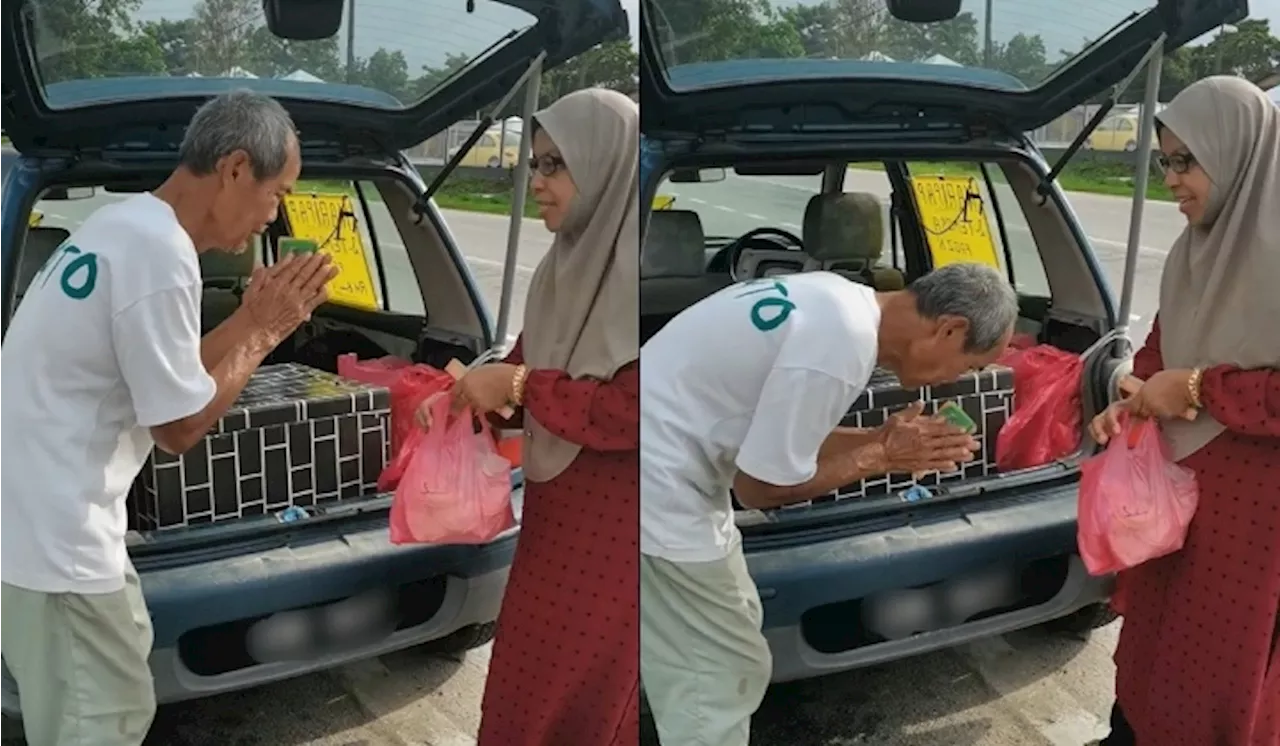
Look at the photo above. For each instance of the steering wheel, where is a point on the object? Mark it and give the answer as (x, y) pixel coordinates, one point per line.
(733, 251)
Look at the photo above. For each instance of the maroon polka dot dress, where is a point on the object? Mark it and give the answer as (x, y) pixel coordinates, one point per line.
(565, 668)
(1197, 663)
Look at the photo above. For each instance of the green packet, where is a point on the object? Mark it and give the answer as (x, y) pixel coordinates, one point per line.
(954, 414)
(290, 245)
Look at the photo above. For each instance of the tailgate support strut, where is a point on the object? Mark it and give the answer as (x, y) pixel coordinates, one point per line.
(1141, 175)
(1156, 52)
(481, 127)
(532, 86)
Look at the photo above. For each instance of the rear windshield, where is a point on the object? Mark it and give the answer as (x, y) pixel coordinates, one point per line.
(394, 54)
(1024, 41)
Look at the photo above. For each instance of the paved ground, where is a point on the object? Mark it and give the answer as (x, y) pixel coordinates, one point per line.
(1026, 689)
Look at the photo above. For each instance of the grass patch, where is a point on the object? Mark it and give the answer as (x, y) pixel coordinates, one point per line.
(1084, 175)
(472, 195)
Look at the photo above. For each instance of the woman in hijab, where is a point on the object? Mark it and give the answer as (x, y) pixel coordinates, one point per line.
(565, 668)
(1197, 661)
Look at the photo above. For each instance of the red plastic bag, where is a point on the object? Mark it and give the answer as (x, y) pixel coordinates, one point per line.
(409, 391)
(456, 489)
(410, 384)
(1047, 421)
(1135, 502)
(382, 371)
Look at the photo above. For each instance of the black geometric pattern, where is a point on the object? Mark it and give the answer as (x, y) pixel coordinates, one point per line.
(296, 436)
(986, 396)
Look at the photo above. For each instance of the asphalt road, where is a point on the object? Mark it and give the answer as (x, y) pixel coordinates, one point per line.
(738, 204)
(1027, 689)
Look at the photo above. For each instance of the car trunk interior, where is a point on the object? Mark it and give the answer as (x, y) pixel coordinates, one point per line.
(1068, 311)
(449, 325)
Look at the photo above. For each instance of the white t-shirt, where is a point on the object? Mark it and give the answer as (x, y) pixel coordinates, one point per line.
(752, 378)
(105, 345)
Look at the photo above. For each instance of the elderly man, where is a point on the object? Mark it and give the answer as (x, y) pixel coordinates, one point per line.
(746, 390)
(105, 361)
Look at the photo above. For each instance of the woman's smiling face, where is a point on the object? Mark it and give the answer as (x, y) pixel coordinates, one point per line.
(1185, 177)
(553, 187)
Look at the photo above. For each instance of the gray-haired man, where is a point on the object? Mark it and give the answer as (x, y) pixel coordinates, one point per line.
(105, 361)
(746, 390)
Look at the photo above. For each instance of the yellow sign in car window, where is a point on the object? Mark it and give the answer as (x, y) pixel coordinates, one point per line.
(330, 221)
(955, 220)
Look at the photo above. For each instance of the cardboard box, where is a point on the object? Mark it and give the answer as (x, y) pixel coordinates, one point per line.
(296, 436)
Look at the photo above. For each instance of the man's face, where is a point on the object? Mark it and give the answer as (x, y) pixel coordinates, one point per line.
(940, 357)
(244, 206)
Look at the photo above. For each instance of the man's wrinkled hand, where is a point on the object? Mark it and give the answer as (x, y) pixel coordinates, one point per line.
(280, 297)
(915, 444)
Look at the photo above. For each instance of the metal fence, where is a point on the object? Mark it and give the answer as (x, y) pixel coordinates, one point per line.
(1061, 131)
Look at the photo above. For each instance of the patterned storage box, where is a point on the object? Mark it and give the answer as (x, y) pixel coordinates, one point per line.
(986, 396)
(296, 436)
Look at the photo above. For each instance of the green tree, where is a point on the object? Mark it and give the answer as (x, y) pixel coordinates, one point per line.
(1250, 51)
(708, 30)
(78, 39)
(956, 39)
(434, 76)
(386, 71)
(1023, 57)
(226, 28)
(271, 56)
(610, 65)
(177, 43)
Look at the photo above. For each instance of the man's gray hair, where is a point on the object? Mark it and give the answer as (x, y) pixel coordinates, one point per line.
(975, 292)
(238, 120)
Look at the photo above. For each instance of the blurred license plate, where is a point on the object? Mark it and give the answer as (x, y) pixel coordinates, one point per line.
(900, 613)
(342, 625)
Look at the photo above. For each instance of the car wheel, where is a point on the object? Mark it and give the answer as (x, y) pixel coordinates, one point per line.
(1083, 621)
(1130, 146)
(493, 162)
(467, 638)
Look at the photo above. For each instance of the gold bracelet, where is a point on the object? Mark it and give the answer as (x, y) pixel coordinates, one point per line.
(517, 384)
(1193, 388)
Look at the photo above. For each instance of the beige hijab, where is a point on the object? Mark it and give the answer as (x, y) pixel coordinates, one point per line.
(1220, 293)
(582, 311)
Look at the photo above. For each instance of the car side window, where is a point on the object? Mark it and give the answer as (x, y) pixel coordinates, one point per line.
(736, 204)
(973, 200)
(1125, 125)
(487, 141)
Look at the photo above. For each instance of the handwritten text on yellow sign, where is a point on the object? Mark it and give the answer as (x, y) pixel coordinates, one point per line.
(955, 220)
(316, 216)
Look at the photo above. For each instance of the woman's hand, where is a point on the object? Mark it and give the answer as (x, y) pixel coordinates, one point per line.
(1107, 425)
(485, 389)
(423, 414)
(1165, 395)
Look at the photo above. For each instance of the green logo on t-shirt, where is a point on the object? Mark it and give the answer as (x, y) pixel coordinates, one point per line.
(770, 312)
(79, 276)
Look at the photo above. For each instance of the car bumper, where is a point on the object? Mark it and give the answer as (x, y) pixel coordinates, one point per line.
(470, 581)
(921, 554)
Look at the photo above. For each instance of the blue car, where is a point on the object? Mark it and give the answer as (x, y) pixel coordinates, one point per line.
(748, 147)
(229, 597)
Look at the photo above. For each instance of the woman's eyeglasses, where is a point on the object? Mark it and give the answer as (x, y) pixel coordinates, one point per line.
(1179, 163)
(547, 165)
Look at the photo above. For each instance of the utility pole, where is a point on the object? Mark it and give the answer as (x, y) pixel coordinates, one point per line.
(351, 40)
(986, 36)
